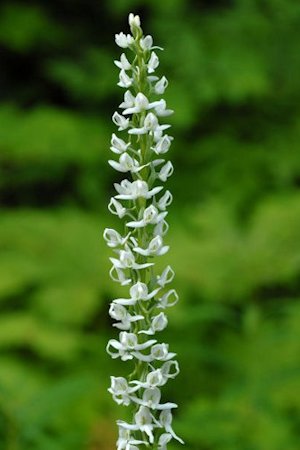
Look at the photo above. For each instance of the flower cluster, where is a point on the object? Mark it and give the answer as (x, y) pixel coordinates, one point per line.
(142, 204)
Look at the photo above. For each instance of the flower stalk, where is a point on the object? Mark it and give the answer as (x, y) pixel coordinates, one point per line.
(141, 202)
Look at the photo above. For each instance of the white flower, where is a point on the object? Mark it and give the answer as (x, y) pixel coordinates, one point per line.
(151, 216)
(161, 85)
(126, 164)
(128, 100)
(120, 390)
(151, 399)
(168, 299)
(118, 146)
(155, 247)
(159, 323)
(153, 62)
(161, 110)
(125, 441)
(116, 208)
(113, 238)
(165, 419)
(163, 145)
(117, 275)
(124, 80)
(153, 379)
(161, 228)
(119, 312)
(134, 21)
(127, 347)
(165, 200)
(146, 43)
(150, 125)
(166, 277)
(123, 40)
(164, 439)
(123, 64)
(166, 171)
(127, 261)
(159, 352)
(144, 421)
(134, 190)
(120, 121)
(141, 103)
(139, 291)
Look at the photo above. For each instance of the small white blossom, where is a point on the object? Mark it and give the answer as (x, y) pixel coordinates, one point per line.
(123, 64)
(124, 80)
(164, 439)
(166, 277)
(146, 43)
(123, 40)
(153, 62)
(155, 247)
(113, 237)
(166, 171)
(120, 390)
(127, 347)
(120, 121)
(163, 145)
(165, 419)
(134, 190)
(139, 291)
(151, 216)
(161, 110)
(161, 85)
(134, 21)
(116, 208)
(126, 164)
(125, 441)
(120, 313)
(118, 146)
(168, 299)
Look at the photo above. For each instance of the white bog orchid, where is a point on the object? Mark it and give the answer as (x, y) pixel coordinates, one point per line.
(141, 202)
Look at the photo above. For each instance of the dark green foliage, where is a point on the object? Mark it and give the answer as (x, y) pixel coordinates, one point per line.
(233, 68)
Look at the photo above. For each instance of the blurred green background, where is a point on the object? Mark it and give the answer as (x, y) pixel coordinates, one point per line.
(233, 67)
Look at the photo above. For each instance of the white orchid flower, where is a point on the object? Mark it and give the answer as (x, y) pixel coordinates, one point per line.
(150, 125)
(118, 146)
(163, 145)
(124, 80)
(127, 347)
(120, 313)
(123, 64)
(151, 398)
(123, 40)
(113, 237)
(121, 391)
(165, 201)
(161, 109)
(158, 323)
(138, 292)
(125, 441)
(120, 121)
(164, 439)
(166, 171)
(131, 191)
(159, 352)
(127, 261)
(116, 208)
(117, 275)
(168, 299)
(161, 85)
(155, 247)
(153, 62)
(166, 277)
(165, 419)
(126, 164)
(144, 421)
(151, 216)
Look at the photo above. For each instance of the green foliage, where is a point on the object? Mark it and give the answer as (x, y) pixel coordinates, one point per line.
(233, 68)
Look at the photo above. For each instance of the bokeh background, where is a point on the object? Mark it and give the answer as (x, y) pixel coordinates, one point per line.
(233, 67)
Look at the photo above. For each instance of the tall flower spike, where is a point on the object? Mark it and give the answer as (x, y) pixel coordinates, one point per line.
(142, 205)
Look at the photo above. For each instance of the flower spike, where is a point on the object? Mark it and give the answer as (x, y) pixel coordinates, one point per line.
(141, 201)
